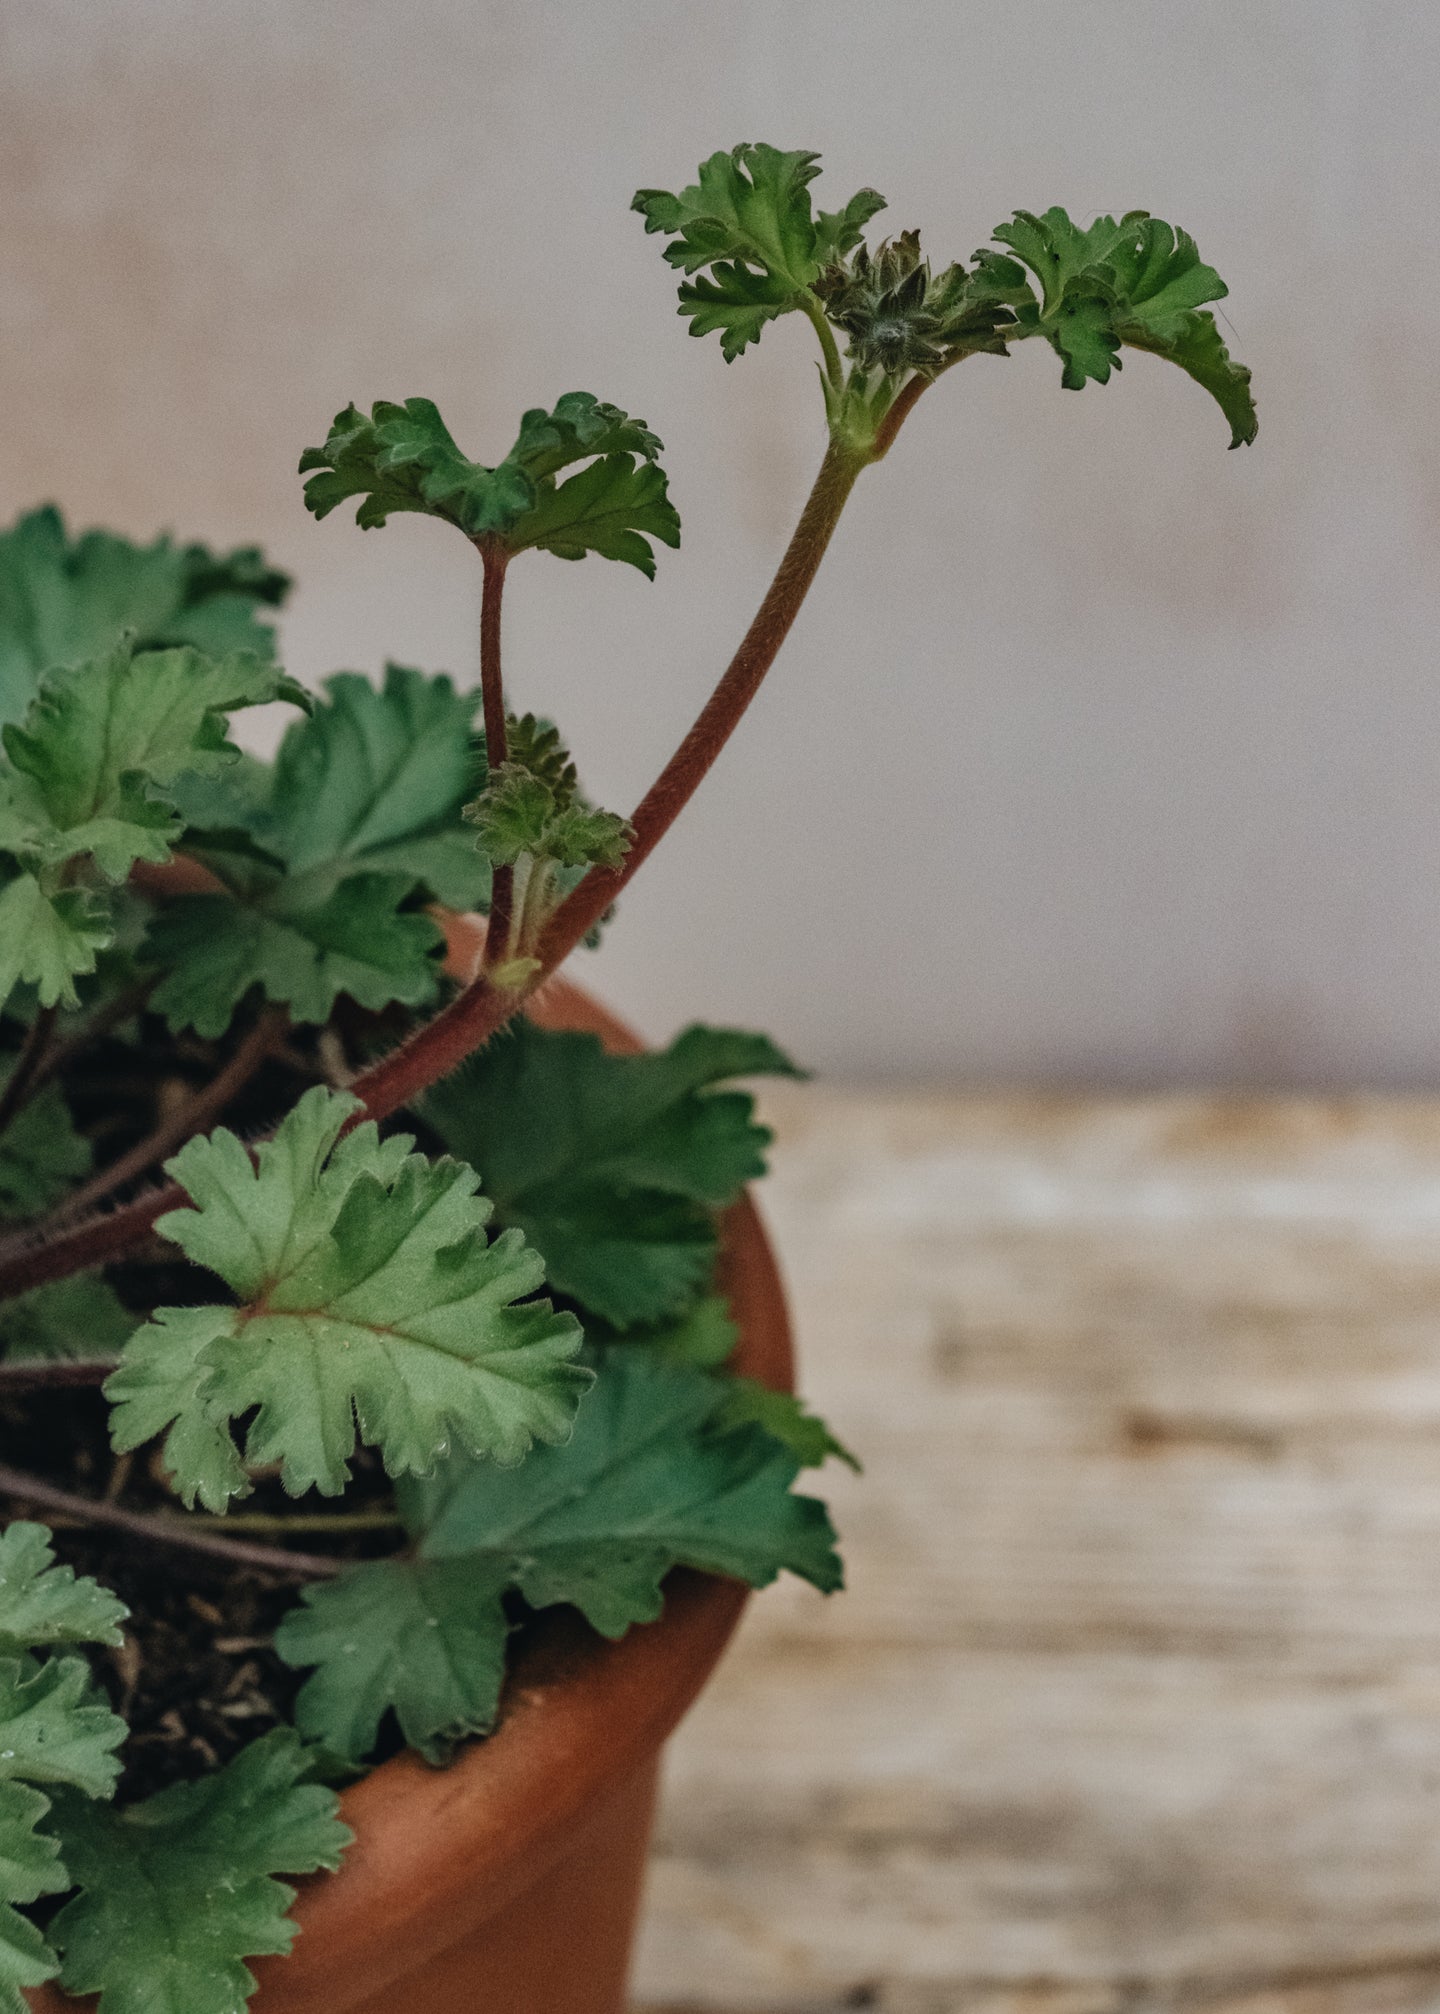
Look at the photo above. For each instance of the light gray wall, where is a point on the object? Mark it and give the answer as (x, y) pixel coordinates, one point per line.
(1101, 753)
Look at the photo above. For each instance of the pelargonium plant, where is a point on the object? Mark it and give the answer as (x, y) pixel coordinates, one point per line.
(420, 1333)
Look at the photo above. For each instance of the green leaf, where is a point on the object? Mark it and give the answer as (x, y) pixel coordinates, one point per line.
(404, 458)
(1136, 282)
(53, 1730)
(614, 508)
(176, 1893)
(612, 1165)
(425, 1638)
(50, 941)
(53, 1727)
(704, 1336)
(357, 940)
(533, 806)
(368, 1298)
(41, 1154)
(29, 1868)
(324, 856)
(784, 1417)
(374, 782)
(99, 738)
(78, 1317)
(42, 1603)
(642, 1487)
(64, 600)
(747, 219)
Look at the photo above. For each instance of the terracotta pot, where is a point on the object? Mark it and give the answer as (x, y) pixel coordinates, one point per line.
(510, 1882)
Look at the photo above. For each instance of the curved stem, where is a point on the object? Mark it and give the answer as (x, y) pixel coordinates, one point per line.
(26, 1262)
(834, 369)
(475, 1015)
(188, 1119)
(723, 711)
(25, 1077)
(34, 1374)
(492, 689)
(155, 1528)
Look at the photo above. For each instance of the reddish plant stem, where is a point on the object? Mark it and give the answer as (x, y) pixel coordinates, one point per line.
(492, 690)
(483, 1008)
(26, 1374)
(722, 712)
(194, 1116)
(25, 1077)
(154, 1528)
(470, 1019)
(114, 1011)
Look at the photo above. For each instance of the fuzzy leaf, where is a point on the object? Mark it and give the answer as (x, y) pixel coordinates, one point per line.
(368, 1297)
(41, 1155)
(78, 1317)
(357, 940)
(403, 458)
(1134, 281)
(642, 1487)
(614, 508)
(50, 941)
(43, 1604)
(64, 600)
(176, 1893)
(102, 735)
(747, 218)
(324, 855)
(425, 1638)
(612, 1165)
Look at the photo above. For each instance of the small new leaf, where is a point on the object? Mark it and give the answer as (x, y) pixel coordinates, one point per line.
(176, 1893)
(533, 806)
(643, 1486)
(901, 318)
(368, 1301)
(404, 458)
(747, 221)
(612, 1165)
(50, 941)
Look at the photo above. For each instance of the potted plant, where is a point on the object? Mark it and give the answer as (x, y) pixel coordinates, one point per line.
(383, 1482)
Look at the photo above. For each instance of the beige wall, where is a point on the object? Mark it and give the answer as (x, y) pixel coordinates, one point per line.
(1102, 753)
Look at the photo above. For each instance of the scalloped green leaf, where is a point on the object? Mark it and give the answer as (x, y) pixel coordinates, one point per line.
(369, 1303)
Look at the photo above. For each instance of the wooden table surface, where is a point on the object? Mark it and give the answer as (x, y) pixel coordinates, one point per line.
(1134, 1700)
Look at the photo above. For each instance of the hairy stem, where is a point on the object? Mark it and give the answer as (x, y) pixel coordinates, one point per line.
(722, 712)
(475, 1014)
(834, 369)
(25, 1374)
(121, 1007)
(25, 1077)
(192, 1117)
(492, 689)
(156, 1528)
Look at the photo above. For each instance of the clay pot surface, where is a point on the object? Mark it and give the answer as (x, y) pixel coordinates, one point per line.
(509, 1883)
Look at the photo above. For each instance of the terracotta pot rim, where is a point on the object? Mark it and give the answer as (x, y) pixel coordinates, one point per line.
(438, 1852)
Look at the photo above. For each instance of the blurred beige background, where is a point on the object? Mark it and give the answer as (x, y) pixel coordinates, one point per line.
(1124, 747)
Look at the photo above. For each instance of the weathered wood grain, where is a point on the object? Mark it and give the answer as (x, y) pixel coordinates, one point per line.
(1135, 1698)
